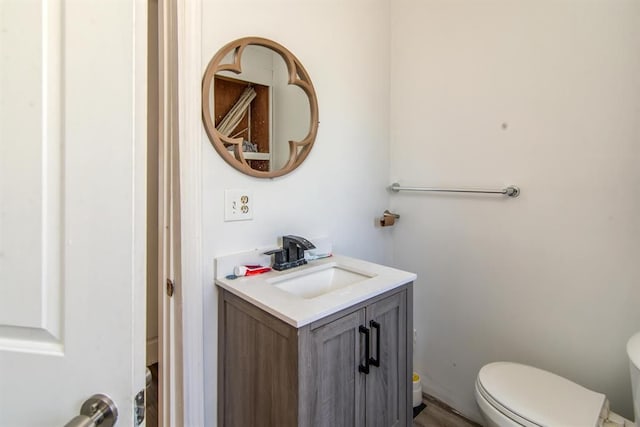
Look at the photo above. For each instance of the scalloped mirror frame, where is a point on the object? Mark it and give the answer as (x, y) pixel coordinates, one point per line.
(297, 76)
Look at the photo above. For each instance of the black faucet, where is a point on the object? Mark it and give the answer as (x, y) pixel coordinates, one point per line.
(291, 254)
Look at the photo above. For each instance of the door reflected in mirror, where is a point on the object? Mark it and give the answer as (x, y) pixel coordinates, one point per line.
(259, 107)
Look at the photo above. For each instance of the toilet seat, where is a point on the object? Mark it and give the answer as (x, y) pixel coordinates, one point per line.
(533, 397)
(492, 408)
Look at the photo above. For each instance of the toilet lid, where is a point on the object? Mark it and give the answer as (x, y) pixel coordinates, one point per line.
(538, 396)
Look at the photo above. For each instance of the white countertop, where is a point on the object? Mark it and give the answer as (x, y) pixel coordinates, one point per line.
(298, 311)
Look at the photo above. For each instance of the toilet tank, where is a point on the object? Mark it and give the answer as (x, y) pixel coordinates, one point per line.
(633, 350)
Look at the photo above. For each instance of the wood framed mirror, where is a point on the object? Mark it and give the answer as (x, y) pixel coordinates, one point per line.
(259, 107)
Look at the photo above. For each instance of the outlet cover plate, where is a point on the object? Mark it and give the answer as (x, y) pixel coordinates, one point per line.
(238, 205)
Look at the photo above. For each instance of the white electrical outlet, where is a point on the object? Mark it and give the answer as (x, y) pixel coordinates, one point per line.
(238, 205)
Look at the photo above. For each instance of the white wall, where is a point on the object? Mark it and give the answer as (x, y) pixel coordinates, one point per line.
(551, 278)
(340, 188)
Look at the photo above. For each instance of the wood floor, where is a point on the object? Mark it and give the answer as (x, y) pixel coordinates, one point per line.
(439, 414)
(435, 416)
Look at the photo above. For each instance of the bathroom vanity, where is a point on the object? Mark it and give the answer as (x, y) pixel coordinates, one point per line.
(337, 353)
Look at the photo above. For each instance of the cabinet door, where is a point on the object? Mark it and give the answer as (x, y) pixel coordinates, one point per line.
(258, 353)
(336, 385)
(387, 384)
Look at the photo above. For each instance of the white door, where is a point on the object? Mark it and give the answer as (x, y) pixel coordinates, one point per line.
(72, 207)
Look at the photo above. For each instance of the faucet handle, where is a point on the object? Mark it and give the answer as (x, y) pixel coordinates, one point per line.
(278, 256)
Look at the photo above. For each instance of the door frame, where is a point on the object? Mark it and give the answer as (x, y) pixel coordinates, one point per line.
(189, 15)
(181, 375)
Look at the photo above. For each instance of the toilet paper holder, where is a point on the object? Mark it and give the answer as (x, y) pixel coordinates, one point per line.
(388, 218)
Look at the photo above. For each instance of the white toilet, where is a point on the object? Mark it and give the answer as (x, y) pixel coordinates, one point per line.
(511, 394)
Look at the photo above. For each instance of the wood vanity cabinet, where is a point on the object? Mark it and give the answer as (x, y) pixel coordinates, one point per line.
(273, 374)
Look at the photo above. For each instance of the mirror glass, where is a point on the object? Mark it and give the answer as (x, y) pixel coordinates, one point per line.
(259, 107)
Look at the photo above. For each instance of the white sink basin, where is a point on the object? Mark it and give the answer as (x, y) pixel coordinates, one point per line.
(316, 281)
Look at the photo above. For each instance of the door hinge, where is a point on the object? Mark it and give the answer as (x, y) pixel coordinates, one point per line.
(170, 287)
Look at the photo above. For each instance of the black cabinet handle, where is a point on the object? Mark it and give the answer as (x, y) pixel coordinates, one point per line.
(365, 368)
(376, 361)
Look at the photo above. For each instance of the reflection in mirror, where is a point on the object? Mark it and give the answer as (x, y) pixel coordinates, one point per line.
(259, 107)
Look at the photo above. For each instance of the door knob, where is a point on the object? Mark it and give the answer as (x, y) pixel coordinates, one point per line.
(98, 410)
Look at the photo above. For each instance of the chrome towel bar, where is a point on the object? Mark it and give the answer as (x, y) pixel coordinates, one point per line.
(511, 191)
